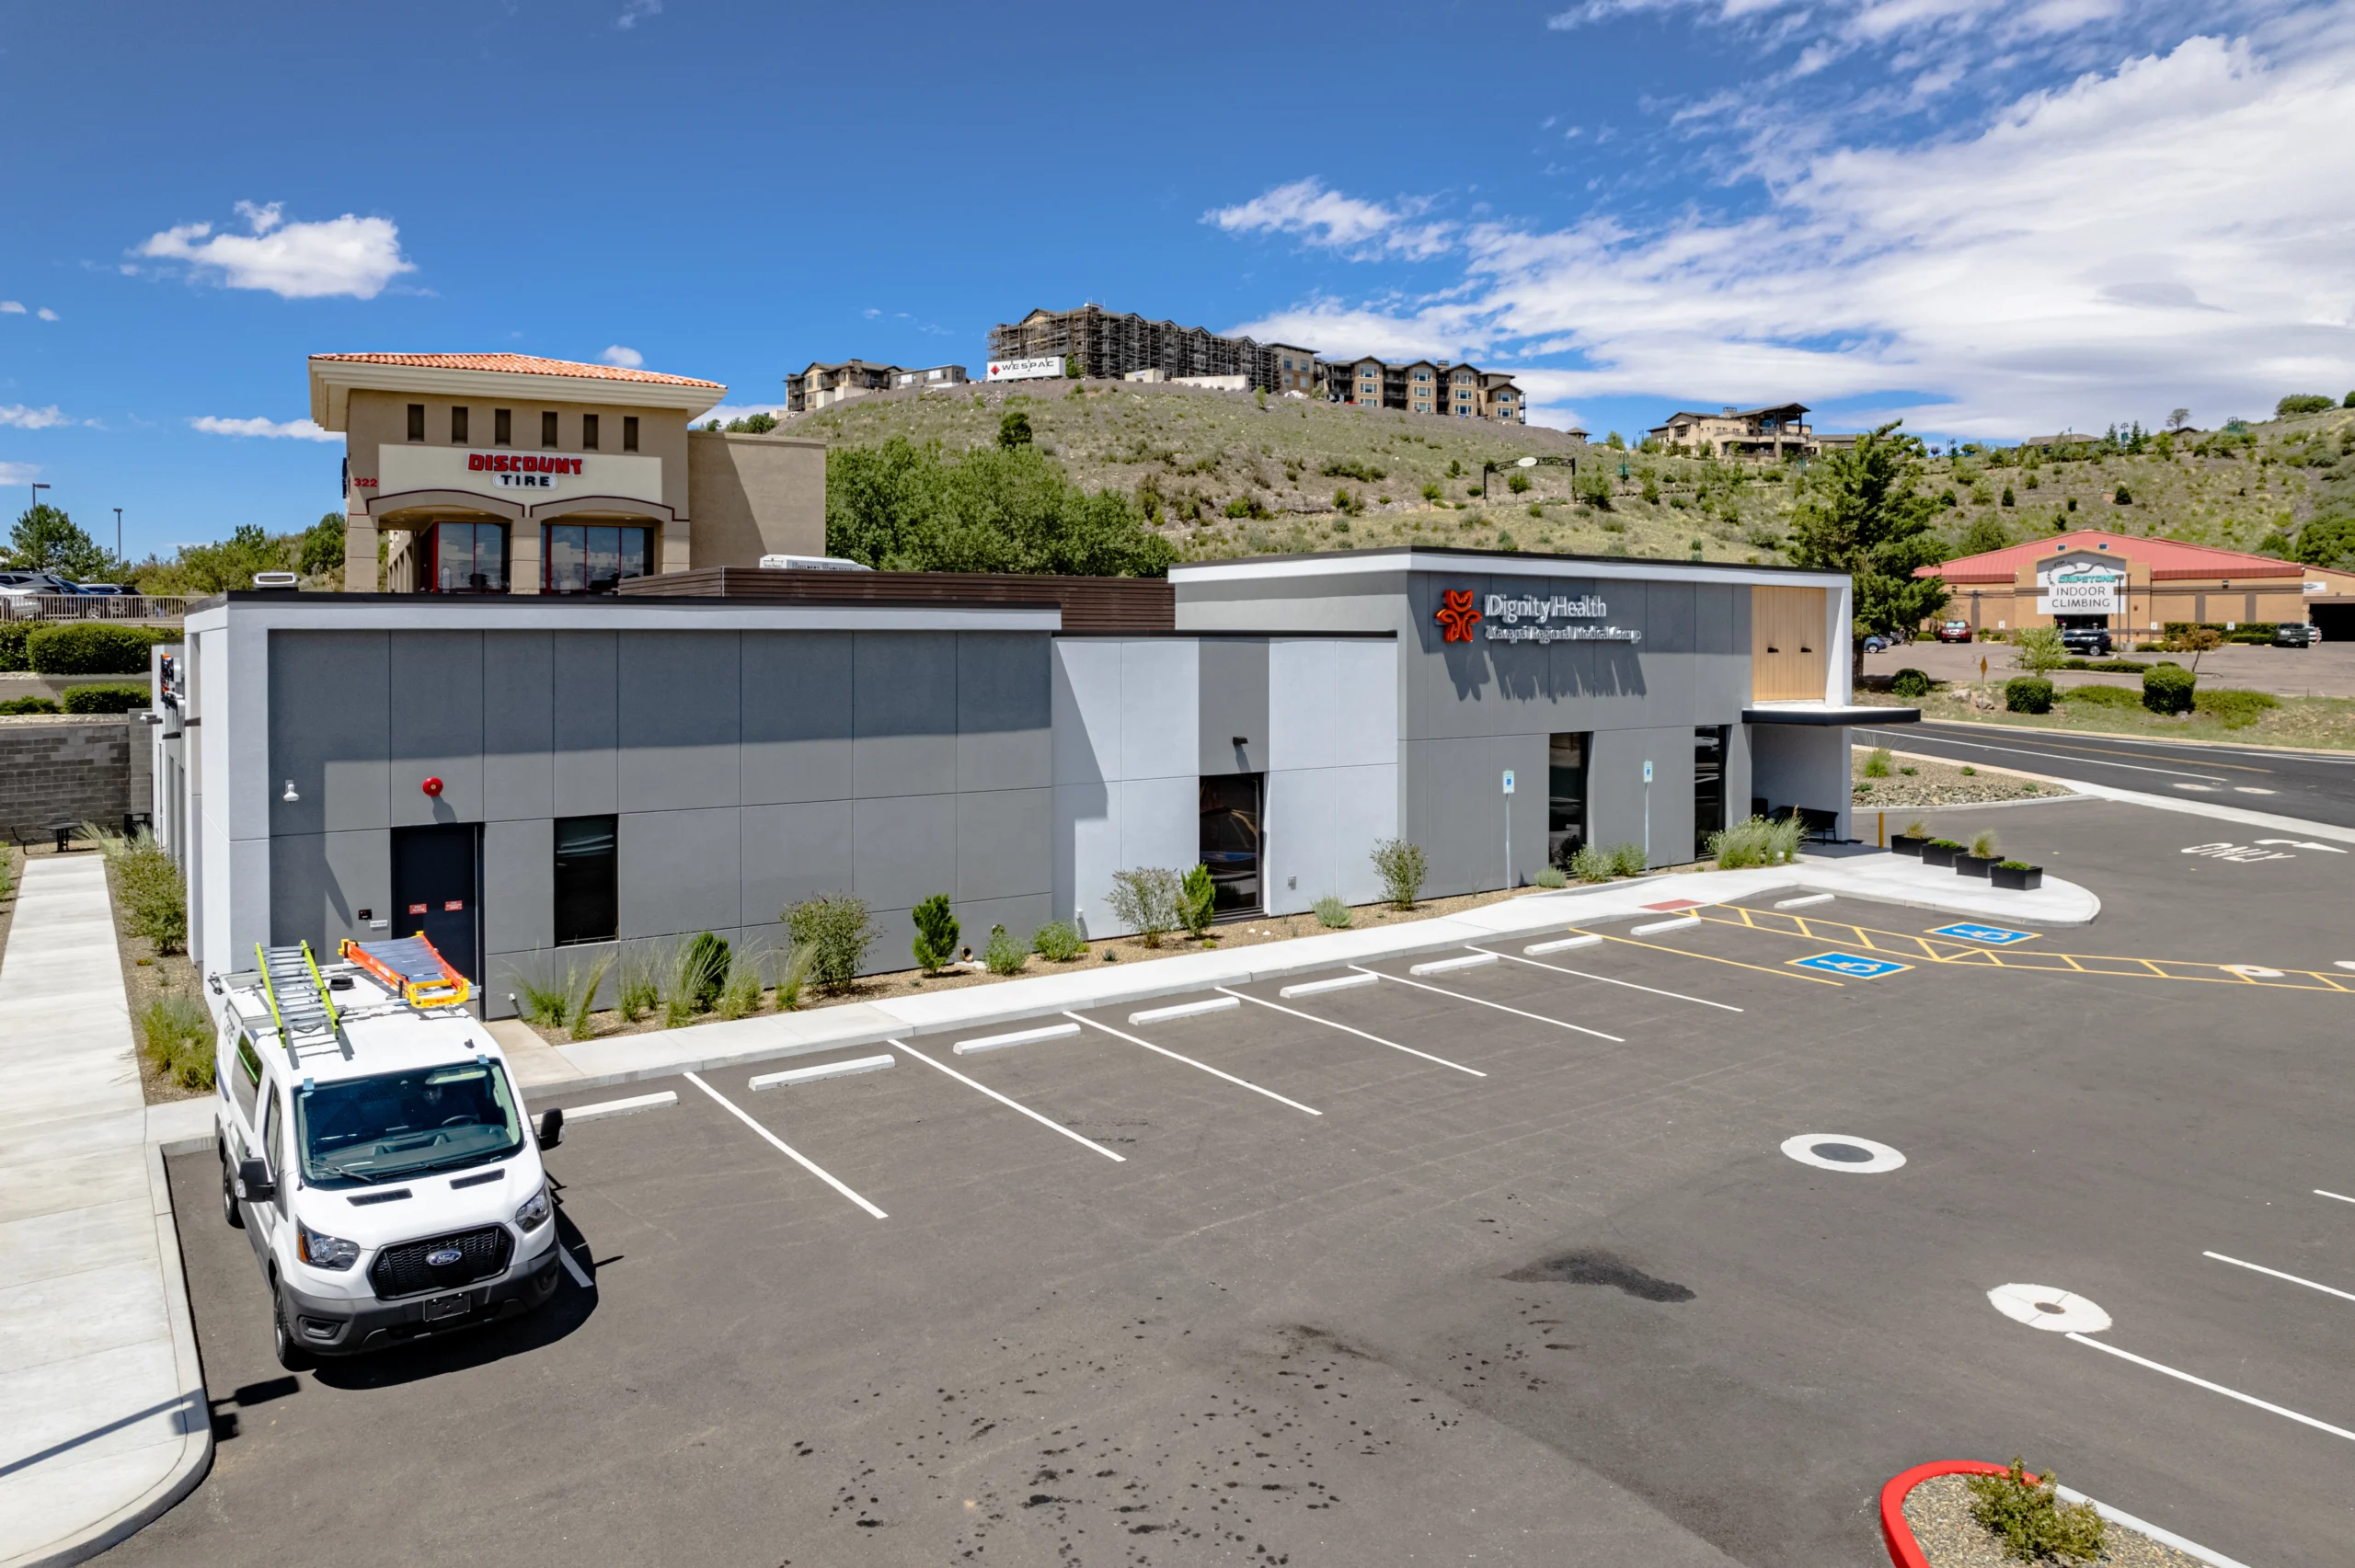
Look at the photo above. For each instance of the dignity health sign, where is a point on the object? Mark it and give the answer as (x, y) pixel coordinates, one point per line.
(1505, 618)
(2078, 587)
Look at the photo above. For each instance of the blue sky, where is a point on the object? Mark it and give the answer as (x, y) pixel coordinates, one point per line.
(1994, 217)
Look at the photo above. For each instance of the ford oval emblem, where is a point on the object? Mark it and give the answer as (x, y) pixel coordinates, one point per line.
(442, 1257)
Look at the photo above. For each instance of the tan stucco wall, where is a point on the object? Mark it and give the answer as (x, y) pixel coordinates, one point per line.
(755, 496)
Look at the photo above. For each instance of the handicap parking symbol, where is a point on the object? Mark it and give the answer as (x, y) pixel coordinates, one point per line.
(1855, 965)
(1993, 935)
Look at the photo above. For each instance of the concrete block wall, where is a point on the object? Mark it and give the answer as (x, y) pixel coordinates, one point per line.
(66, 767)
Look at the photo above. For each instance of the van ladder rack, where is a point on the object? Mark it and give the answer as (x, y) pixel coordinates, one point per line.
(298, 999)
(411, 965)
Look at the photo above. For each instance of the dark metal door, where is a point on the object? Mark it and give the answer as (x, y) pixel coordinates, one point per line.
(1230, 843)
(437, 892)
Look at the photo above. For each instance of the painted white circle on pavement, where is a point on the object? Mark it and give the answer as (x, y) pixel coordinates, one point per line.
(2043, 1307)
(1839, 1152)
(2255, 972)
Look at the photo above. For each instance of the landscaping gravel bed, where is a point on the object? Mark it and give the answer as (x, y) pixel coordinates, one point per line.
(1917, 781)
(1939, 1512)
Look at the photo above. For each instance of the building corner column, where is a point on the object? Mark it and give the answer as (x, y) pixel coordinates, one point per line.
(359, 552)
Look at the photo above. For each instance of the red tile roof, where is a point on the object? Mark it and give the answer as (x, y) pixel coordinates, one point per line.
(519, 364)
(2165, 557)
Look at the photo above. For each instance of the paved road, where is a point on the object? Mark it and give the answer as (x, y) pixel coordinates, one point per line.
(2320, 789)
(1339, 1301)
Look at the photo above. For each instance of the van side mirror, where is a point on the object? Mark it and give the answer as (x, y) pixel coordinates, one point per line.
(551, 1129)
(253, 1182)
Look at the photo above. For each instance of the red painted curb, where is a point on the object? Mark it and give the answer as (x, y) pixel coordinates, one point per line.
(1903, 1550)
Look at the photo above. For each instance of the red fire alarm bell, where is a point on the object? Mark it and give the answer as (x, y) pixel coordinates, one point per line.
(433, 788)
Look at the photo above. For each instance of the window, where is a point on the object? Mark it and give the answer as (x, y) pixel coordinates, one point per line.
(502, 427)
(586, 906)
(246, 1080)
(1708, 786)
(458, 426)
(547, 427)
(588, 432)
(629, 432)
(584, 559)
(273, 1140)
(468, 557)
(397, 1124)
(1565, 796)
(416, 421)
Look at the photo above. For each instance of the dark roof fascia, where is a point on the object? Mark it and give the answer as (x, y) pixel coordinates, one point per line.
(1466, 553)
(1229, 634)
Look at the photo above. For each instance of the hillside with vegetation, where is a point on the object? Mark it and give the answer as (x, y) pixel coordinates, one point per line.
(1215, 475)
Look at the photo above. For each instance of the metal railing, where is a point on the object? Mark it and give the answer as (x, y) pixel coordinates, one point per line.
(93, 606)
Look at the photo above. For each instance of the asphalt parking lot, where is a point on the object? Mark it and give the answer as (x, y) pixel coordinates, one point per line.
(1504, 1263)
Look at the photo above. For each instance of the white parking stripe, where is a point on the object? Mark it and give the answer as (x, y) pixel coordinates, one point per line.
(2340, 1196)
(2214, 1388)
(1360, 1033)
(1500, 1006)
(580, 1276)
(1606, 979)
(1190, 1061)
(790, 1152)
(1015, 1104)
(2260, 1268)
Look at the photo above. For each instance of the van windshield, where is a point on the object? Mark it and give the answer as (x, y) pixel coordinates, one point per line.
(404, 1123)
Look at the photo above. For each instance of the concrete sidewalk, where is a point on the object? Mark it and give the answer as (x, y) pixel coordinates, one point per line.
(103, 1420)
(544, 1069)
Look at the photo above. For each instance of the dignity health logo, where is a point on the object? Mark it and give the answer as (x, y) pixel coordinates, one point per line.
(1508, 619)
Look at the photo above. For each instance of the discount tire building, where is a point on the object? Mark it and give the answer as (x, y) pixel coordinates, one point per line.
(534, 780)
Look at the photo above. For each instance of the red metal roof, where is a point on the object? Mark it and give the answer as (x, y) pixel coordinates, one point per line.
(519, 364)
(2167, 558)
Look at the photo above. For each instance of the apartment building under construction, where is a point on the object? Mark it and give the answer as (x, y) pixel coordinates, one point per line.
(1110, 346)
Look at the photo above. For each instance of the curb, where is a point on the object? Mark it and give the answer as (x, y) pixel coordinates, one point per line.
(1904, 1551)
(2339, 752)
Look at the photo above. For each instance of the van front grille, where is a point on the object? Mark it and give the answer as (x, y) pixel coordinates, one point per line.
(402, 1270)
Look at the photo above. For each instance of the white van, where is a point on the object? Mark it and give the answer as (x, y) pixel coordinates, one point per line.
(374, 1148)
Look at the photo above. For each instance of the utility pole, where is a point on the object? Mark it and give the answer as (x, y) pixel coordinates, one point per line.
(118, 536)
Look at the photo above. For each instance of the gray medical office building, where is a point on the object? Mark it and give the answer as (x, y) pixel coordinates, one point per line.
(532, 781)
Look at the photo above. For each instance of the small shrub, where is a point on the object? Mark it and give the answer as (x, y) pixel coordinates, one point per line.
(1197, 901)
(1910, 683)
(88, 647)
(1402, 867)
(1004, 954)
(2168, 689)
(2027, 695)
(1349, 468)
(1518, 484)
(1550, 876)
(936, 934)
(1147, 901)
(2030, 1519)
(1984, 845)
(112, 697)
(27, 706)
(2103, 696)
(1876, 764)
(1333, 914)
(2124, 497)
(179, 1035)
(1968, 772)
(2232, 708)
(544, 1005)
(12, 643)
(1628, 860)
(1590, 864)
(2014, 866)
(154, 899)
(1755, 841)
(639, 988)
(793, 974)
(580, 998)
(837, 930)
(741, 997)
(1058, 940)
(705, 970)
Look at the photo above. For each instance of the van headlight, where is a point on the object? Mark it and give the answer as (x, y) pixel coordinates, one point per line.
(322, 1251)
(534, 1212)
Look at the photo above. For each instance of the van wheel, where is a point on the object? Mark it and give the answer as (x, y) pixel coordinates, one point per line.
(230, 1210)
(292, 1353)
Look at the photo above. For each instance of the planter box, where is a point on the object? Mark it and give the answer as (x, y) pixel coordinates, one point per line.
(1967, 865)
(1932, 854)
(2017, 881)
(1906, 843)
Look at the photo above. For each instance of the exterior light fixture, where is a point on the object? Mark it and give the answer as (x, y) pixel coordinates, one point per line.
(432, 788)
(290, 796)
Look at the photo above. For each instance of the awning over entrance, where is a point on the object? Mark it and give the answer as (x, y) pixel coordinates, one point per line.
(1827, 714)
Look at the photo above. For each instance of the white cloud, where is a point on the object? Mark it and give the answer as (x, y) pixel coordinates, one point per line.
(288, 430)
(636, 11)
(346, 256)
(628, 359)
(25, 418)
(11, 307)
(46, 313)
(14, 473)
(2144, 237)
(1322, 217)
(728, 411)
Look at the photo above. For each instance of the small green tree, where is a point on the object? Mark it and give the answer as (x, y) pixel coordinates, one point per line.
(46, 539)
(1402, 867)
(704, 973)
(319, 552)
(2042, 650)
(1197, 900)
(936, 933)
(1014, 429)
(1863, 513)
(837, 930)
(2301, 403)
(1147, 900)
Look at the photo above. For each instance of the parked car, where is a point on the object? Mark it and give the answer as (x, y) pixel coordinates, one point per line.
(2295, 634)
(2086, 642)
(1954, 630)
(101, 589)
(1875, 642)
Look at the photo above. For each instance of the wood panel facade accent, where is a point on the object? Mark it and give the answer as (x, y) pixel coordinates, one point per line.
(1788, 655)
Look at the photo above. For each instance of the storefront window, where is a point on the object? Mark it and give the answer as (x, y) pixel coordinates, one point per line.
(584, 558)
(1565, 796)
(468, 557)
